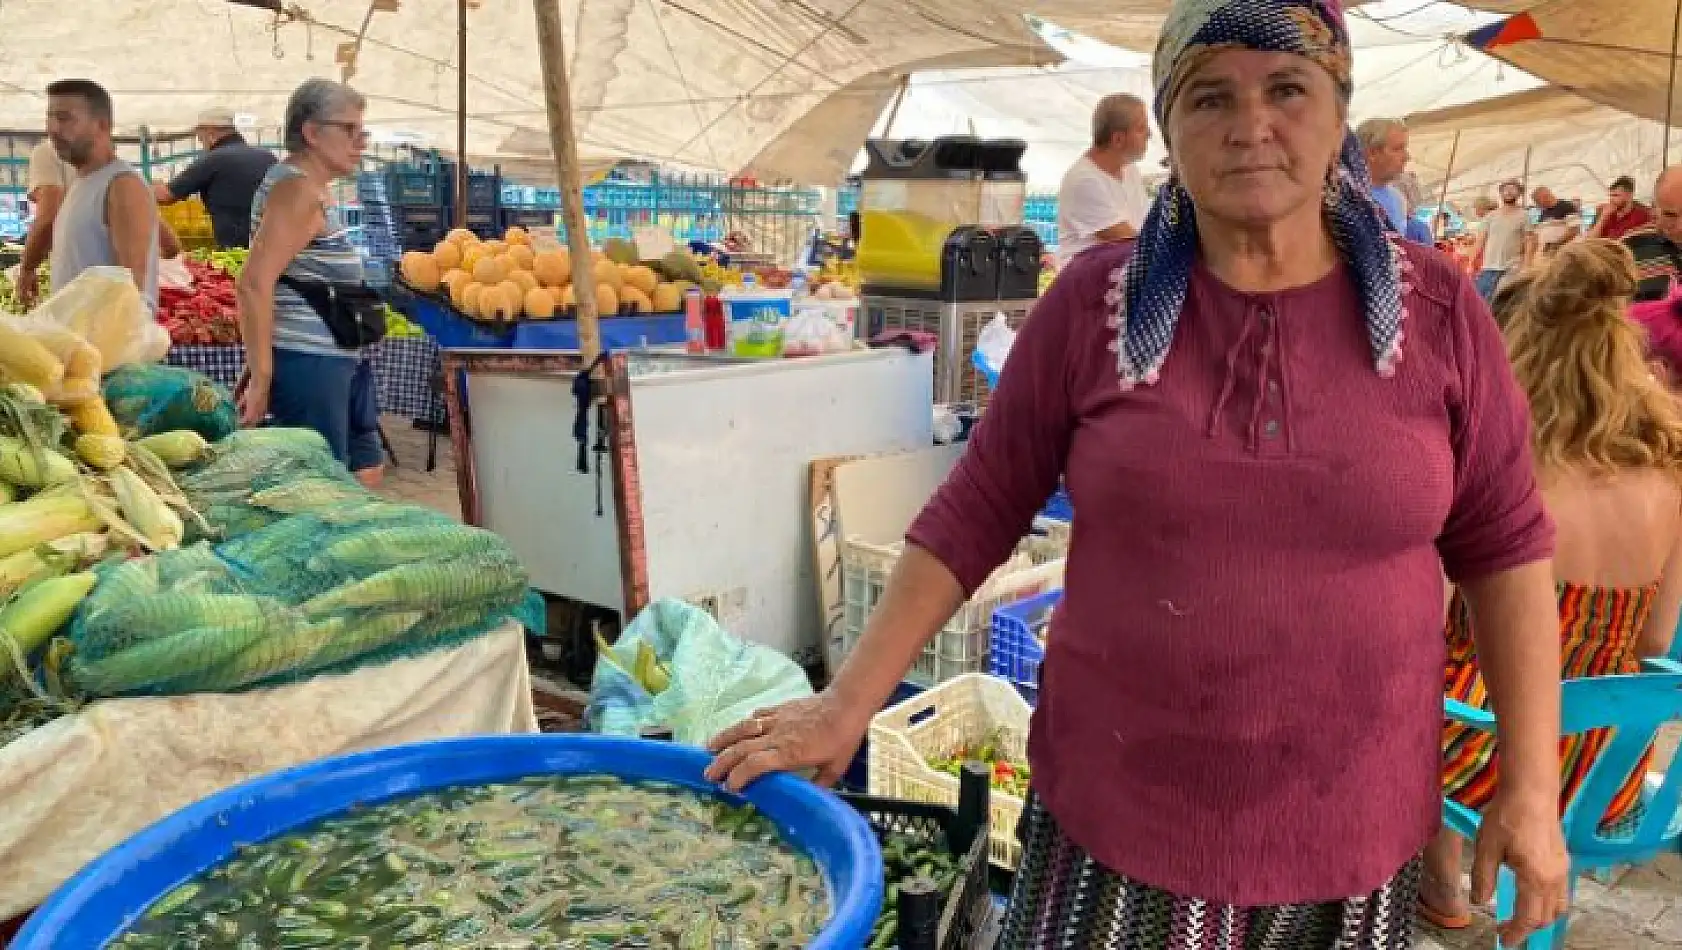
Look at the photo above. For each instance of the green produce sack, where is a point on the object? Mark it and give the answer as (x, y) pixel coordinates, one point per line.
(715, 679)
(149, 398)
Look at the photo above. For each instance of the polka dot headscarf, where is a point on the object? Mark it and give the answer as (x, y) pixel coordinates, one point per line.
(1150, 291)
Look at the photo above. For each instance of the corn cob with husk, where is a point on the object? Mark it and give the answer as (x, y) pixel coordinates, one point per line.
(170, 611)
(45, 517)
(101, 453)
(92, 417)
(376, 549)
(307, 495)
(152, 665)
(177, 449)
(310, 647)
(50, 557)
(152, 469)
(32, 467)
(488, 580)
(142, 508)
(23, 359)
(36, 612)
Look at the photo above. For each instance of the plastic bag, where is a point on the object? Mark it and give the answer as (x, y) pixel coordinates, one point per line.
(995, 342)
(103, 306)
(812, 332)
(174, 275)
(715, 679)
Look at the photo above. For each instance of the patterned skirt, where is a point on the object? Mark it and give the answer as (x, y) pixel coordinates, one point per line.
(1064, 900)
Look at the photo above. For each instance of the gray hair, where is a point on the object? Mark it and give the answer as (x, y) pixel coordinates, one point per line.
(317, 100)
(1115, 114)
(1375, 133)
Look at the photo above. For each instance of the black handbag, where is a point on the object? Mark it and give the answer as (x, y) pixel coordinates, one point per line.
(354, 313)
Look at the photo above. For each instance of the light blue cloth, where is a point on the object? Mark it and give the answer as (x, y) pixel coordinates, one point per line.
(1418, 231)
(1389, 197)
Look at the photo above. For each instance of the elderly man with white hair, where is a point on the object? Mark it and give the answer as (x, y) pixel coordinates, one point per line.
(1384, 142)
(226, 176)
(1103, 198)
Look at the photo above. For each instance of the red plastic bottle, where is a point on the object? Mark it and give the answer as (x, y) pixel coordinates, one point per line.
(712, 320)
(694, 329)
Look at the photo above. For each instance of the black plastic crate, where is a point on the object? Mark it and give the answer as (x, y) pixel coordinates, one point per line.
(529, 217)
(968, 908)
(410, 187)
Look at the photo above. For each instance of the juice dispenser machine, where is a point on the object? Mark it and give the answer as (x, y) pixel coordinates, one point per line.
(942, 247)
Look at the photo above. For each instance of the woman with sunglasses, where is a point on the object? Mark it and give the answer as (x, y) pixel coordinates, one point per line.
(296, 373)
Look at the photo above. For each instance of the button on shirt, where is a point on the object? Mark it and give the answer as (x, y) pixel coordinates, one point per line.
(1242, 701)
(1091, 200)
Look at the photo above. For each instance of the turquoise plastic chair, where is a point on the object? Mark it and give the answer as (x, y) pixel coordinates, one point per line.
(1636, 706)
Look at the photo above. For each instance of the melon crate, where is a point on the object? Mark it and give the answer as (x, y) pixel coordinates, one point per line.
(957, 716)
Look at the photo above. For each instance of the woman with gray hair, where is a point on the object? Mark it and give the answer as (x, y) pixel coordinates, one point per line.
(1280, 424)
(297, 373)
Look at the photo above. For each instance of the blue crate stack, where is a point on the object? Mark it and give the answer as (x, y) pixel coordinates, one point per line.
(379, 232)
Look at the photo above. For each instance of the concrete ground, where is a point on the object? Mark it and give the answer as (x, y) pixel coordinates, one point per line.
(1640, 910)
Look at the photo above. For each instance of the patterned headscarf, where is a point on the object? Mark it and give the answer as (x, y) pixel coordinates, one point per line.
(1150, 291)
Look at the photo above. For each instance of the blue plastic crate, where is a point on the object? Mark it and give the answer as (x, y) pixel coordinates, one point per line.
(1015, 652)
(1059, 507)
(451, 329)
(409, 188)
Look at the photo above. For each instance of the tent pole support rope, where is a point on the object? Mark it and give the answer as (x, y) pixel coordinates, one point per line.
(461, 113)
(899, 99)
(557, 95)
(1437, 222)
(1670, 86)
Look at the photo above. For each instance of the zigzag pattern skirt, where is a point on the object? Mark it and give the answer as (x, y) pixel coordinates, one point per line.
(1064, 900)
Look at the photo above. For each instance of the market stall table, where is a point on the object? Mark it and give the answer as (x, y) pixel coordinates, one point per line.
(80, 785)
(403, 370)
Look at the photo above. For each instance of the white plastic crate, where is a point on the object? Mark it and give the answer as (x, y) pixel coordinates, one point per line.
(961, 645)
(956, 713)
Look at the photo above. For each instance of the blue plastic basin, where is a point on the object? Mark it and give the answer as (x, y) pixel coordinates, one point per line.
(97, 905)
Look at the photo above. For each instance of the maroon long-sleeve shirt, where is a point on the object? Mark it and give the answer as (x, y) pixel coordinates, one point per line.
(1242, 697)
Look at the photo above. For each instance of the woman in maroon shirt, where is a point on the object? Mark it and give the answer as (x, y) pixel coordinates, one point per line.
(1237, 738)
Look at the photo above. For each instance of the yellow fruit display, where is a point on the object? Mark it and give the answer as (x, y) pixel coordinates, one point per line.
(516, 295)
(522, 256)
(642, 278)
(471, 297)
(566, 298)
(666, 298)
(553, 268)
(525, 278)
(447, 255)
(607, 275)
(421, 271)
(501, 304)
(489, 270)
(463, 237)
(471, 257)
(517, 237)
(496, 247)
(540, 304)
(607, 300)
(636, 300)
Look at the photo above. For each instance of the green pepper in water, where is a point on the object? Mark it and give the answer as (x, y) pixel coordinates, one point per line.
(541, 864)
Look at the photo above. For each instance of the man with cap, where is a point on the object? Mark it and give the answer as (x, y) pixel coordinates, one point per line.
(226, 176)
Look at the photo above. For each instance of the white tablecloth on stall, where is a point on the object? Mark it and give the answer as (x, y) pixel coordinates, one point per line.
(75, 788)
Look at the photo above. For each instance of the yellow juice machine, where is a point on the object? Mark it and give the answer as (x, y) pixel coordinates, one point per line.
(942, 248)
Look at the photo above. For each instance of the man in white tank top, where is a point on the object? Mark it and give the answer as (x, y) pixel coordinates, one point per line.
(108, 218)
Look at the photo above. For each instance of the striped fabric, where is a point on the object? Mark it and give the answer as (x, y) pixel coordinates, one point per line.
(1063, 900)
(329, 258)
(1598, 628)
(1655, 254)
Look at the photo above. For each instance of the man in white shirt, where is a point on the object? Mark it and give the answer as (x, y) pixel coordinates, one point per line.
(49, 178)
(1103, 197)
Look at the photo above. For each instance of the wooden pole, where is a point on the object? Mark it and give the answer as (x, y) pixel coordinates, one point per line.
(461, 113)
(1670, 86)
(899, 99)
(1442, 198)
(557, 95)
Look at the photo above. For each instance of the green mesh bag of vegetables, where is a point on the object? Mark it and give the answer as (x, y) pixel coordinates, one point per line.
(149, 398)
(256, 477)
(334, 580)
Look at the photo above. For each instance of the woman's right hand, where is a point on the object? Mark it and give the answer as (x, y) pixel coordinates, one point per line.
(819, 733)
(252, 396)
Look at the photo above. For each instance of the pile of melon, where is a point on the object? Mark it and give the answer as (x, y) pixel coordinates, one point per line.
(507, 280)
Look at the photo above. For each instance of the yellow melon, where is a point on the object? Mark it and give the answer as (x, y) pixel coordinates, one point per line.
(607, 300)
(522, 256)
(666, 298)
(420, 271)
(471, 257)
(642, 278)
(517, 236)
(516, 295)
(463, 237)
(567, 298)
(607, 275)
(496, 247)
(540, 304)
(553, 268)
(471, 299)
(457, 281)
(447, 255)
(500, 304)
(489, 270)
(525, 278)
(635, 299)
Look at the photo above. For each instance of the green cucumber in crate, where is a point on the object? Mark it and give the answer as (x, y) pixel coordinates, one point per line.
(943, 846)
